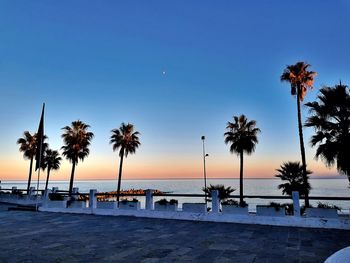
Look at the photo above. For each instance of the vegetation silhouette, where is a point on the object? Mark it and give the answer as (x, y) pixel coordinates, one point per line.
(300, 79)
(127, 141)
(224, 192)
(330, 117)
(242, 137)
(77, 140)
(28, 145)
(292, 173)
(51, 161)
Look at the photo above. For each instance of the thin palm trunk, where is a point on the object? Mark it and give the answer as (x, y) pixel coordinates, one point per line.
(71, 179)
(30, 174)
(120, 174)
(302, 148)
(47, 178)
(241, 180)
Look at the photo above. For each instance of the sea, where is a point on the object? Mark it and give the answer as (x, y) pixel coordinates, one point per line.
(320, 187)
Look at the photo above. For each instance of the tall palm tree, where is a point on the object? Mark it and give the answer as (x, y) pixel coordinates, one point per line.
(127, 141)
(330, 116)
(300, 79)
(242, 137)
(292, 173)
(28, 145)
(77, 140)
(52, 161)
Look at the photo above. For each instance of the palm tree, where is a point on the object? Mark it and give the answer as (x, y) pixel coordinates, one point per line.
(224, 192)
(127, 140)
(242, 137)
(28, 145)
(51, 161)
(292, 172)
(300, 80)
(331, 121)
(77, 140)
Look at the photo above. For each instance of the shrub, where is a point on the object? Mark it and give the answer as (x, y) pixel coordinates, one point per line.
(277, 206)
(165, 201)
(56, 197)
(325, 205)
(234, 202)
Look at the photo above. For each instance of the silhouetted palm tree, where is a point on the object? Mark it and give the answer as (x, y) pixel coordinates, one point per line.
(292, 172)
(52, 161)
(28, 145)
(242, 137)
(127, 140)
(224, 192)
(300, 80)
(330, 116)
(77, 140)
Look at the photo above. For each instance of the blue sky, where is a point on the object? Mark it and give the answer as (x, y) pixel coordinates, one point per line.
(102, 62)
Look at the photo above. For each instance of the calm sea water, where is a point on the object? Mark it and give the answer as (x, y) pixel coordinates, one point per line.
(320, 187)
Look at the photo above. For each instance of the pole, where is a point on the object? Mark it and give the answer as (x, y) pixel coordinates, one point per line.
(204, 171)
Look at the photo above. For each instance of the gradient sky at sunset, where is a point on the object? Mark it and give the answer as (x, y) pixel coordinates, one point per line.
(102, 62)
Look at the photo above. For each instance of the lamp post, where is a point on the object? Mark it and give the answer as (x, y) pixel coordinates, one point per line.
(204, 169)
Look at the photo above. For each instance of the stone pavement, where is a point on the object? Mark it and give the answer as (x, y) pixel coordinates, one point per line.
(54, 237)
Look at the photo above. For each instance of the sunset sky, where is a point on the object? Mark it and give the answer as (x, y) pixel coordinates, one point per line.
(177, 70)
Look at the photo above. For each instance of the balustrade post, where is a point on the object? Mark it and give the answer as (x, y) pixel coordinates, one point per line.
(296, 203)
(215, 201)
(149, 199)
(92, 199)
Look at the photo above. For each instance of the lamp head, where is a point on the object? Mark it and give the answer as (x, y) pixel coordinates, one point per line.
(203, 138)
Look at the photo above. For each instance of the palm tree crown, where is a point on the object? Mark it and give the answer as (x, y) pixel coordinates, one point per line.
(27, 145)
(241, 135)
(77, 141)
(330, 116)
(299, 78)
(292, 172)
(125, 139)
(52, 160)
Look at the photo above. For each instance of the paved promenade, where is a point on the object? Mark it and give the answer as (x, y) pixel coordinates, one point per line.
(53, 237)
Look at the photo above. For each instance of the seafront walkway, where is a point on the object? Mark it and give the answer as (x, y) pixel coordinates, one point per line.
(58, 237)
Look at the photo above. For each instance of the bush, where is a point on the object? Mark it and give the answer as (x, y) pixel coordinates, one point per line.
(277, 206)
(165, 201)
(124, 201)
(325, 205)
(234, 202)
(56, 197)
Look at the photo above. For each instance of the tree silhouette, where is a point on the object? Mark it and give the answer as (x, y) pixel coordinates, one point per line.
(242, 137)
(330, 117)
(52, 161)
(127, 141)
(292, 173)
(28, 145)
(300, 79)
(77, 140)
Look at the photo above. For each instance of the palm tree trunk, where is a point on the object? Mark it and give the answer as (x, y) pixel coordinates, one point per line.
(120, 174)
(47, 178)
(241, 180)
(71, 179)
(302, 148)
(30, 174)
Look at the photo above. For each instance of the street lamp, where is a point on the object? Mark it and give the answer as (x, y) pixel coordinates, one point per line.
(204, 170)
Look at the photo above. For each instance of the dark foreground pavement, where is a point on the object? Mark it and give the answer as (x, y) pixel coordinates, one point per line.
(54, 237)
